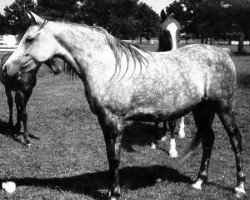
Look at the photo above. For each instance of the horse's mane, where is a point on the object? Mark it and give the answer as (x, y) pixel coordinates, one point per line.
(119, 48)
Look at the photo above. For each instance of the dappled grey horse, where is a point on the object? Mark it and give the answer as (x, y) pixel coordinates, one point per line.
(123, 82)
(23, 86)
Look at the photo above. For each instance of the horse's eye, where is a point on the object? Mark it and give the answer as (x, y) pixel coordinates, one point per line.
(29, 40)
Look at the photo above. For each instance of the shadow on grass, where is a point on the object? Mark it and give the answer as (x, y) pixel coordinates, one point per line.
(243, 80)
(143, 133)
(9, 131)
(244, 53)
(90, 184)
(138, 133)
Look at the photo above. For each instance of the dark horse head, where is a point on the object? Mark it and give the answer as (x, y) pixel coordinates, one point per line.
(169, 34)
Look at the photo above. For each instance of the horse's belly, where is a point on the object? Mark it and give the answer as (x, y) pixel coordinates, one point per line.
(156, 115)
(163, 108)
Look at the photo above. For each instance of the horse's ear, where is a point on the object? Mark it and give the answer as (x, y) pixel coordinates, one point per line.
(34, 18)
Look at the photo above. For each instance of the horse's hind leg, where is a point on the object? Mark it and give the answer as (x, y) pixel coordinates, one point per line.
(181, 132)
(172, 152)
(203, 120)
(112, 128)
(228, 120)
(155, 137)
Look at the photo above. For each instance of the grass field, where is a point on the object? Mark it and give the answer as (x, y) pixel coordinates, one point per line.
(67, 159)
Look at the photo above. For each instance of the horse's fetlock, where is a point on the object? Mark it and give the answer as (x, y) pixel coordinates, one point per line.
(117, 191)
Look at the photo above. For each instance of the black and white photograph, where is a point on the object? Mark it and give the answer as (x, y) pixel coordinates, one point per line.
(124, 99)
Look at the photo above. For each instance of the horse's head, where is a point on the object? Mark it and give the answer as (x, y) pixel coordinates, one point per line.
(37, 46)
(54, 64)
(169, 34)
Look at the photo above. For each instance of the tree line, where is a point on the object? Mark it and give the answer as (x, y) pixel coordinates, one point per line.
(213, 19)
(208, 20)
(126, 19)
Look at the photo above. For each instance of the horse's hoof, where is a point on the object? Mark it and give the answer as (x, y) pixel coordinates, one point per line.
(109, 197)
(114, 198)
(197, 185)
(240, 193)
(173, 154)
(28, 145)
(153, 146)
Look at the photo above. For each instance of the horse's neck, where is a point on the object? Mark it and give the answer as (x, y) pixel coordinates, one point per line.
(81, 46)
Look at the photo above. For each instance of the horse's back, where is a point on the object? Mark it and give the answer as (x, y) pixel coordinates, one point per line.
(216, 69)
(178, 80)
(211, 62)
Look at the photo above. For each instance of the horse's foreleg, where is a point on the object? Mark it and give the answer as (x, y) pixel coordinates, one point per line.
(203, 121)
(112, 130)
(172, 152)
(235, 137)
(25, 117)
(10, 104)
(18, 100)
(181, 132)
(21, 99)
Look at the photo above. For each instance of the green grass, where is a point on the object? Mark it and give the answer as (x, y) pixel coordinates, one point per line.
(67, 159)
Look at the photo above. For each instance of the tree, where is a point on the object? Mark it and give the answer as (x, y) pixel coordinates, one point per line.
(123, 18)
(63, 9)
(4, 29)
(240, 12)
(149, 22)
(206, 18)
(15, 16)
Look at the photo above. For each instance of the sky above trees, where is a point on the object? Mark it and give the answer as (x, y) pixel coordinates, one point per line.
(157, 5)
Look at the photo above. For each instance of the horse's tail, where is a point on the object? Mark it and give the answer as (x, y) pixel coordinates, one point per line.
(192, 146)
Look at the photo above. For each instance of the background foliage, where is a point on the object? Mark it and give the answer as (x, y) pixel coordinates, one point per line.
(215, 19)
(125, 19)
(208, 20)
